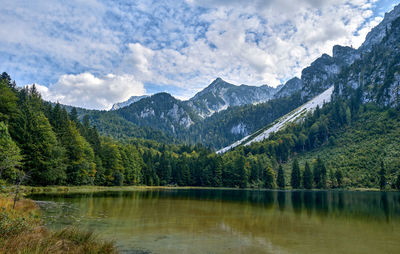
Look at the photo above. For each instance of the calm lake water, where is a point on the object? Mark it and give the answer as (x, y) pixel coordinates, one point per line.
(234, 221)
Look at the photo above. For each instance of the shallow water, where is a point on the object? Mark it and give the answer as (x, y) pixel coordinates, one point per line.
(233, 221)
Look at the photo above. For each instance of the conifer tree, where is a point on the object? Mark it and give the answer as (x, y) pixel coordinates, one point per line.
(43, 155)
(8, 102)
(10, 157)
(217, 172)
(339, 177)
(112, 163)
(296, 175)
(281, 178)
(382, 176)
(79, 154)
(332, 178)
(307, 177)
(269, 178)
(397, 184)
(320, 174)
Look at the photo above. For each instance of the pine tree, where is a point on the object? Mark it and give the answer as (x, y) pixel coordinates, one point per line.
(269, 178)
(307, 177)
(321, 170)
(8, 102)
(240, 172)
(317, 173)
(112, 163)
(43, 155)
(320, 174)
(382, 176)
(339, 177)
(73, 115)
(295, 176)
(164, 169)
(332, 179)
(10, 157)
(397, 184)
(217, 172)
(79, 154)
(281, 178)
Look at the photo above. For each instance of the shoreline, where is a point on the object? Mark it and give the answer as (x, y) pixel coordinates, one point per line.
(31, 190)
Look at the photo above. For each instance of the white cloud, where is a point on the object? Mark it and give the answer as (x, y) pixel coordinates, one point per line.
(256, 42)
(185, 44)
(88, 91)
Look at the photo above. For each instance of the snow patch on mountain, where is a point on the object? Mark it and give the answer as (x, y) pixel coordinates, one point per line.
(279, 124)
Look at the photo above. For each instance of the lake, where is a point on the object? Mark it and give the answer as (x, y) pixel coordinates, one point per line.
(233, 221)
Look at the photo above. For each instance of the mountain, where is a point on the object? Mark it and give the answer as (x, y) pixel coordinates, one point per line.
(369, 74)
(282, 122)
(223, 113)
(227, 126)
(220, 95)
(291, 86)
(160, 111)
(128, 102)
(176, 118)
(376, 35)
(375, 77)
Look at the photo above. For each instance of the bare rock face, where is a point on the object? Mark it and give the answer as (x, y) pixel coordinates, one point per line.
(291, 86)
(220, 95)
(379, 32)
(375, 77)
(131, 100)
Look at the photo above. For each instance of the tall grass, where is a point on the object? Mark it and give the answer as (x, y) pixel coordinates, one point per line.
(22, 231)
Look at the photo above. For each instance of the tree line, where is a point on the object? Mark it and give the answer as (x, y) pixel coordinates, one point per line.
(49, 145)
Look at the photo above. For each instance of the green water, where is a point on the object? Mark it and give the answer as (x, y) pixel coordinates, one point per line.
(234, 221)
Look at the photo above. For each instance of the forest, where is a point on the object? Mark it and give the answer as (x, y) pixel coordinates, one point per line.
(43, 144)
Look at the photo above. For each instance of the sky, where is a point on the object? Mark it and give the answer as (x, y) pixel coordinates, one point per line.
(93, 53)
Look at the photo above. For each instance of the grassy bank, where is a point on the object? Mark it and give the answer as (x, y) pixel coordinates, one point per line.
(27, 190)
(22, 231)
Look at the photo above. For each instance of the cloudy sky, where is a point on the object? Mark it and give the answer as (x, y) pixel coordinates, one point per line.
(93, 53)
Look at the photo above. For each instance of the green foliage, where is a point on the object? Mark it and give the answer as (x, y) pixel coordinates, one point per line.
(320, 175)
(350, 143)
(339, 177)
(397, 184)
(295, 179)
(281, 178)
(12, 224)
(269, 176)
(10, 157)
(307, 177)
(382, 176)
(8, 101)
(350, 138)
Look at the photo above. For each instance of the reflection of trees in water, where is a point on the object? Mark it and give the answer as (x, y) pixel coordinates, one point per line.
(385, 205)
(370, 205)
(308, 198)
(281, 200)
(321, 202)
(297, 201)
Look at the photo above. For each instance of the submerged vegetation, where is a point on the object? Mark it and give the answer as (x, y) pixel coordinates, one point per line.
(22, 231)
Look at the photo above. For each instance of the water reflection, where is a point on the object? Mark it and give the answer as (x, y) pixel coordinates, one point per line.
(377, 205)
(242, 221)
(281, 200)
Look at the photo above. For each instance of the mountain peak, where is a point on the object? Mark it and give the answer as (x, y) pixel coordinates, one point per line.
(376, 35)
(219, 82)
(128, 102)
